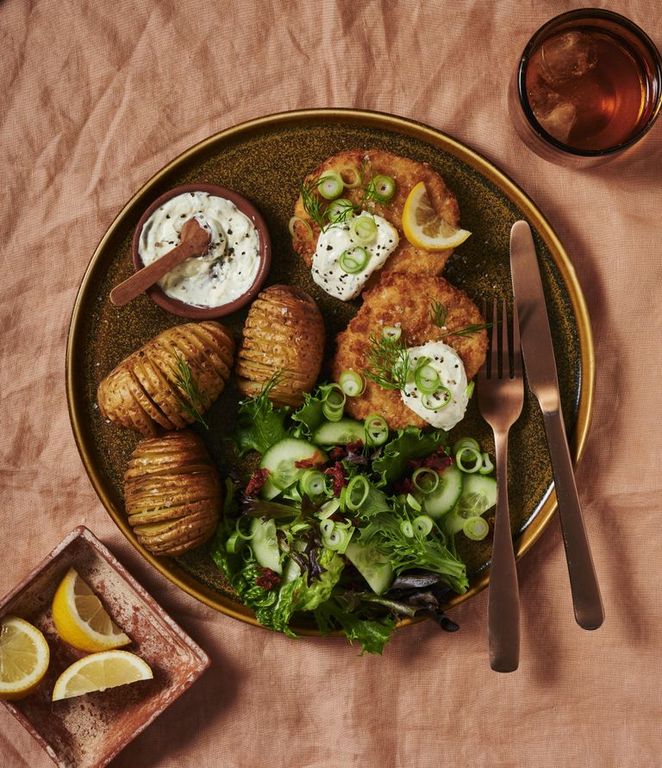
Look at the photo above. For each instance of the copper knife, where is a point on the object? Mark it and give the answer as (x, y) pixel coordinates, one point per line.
(540, 366)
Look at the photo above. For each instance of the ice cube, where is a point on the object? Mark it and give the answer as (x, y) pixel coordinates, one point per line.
(560, 121)
(566, 57)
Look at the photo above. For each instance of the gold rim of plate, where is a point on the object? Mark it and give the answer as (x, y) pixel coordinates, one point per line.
(361, 118)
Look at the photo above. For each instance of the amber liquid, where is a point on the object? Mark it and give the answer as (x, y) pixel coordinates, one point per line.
(589, 90)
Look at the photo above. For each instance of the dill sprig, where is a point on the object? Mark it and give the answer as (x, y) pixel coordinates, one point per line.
(388, 362)
(193, 407)
(312, 203)
(439, 315)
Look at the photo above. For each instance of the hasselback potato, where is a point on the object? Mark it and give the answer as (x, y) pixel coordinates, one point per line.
(283, 335)
(171, 380)
(172, 493)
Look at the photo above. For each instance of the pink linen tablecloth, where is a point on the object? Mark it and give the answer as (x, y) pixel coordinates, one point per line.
(96, 97)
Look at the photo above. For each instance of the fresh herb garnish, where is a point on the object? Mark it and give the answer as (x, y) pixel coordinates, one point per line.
(259, 424)
(312, 202)
(388, 362)
(193, 404)
(439, 315)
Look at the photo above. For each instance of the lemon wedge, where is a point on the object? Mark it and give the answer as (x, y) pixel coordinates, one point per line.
(24, 657)
(107, 669)
(81, 620)
(423, 226)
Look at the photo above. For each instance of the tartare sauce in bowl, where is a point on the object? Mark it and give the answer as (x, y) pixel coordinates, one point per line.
(229, 274)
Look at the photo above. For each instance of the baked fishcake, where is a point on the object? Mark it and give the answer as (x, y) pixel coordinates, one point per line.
(406, 301)
(360, 167)
(283, 336)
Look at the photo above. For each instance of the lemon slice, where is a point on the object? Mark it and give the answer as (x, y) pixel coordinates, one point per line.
(81, 620)
(24, 657)
(423, 226)
(106, 669)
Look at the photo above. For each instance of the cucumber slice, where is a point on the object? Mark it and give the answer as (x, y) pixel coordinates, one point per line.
(265, 544)
(479, 494)
(446, 494)
(372, 565)
(281, 461)
(339, 432)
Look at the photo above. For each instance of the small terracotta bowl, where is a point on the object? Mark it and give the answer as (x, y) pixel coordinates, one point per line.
(207, 313)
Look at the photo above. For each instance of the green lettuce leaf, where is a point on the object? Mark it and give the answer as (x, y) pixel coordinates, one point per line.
(410, 443)
(259, 424)
(371, 634)
(309, 415)
(320, 590)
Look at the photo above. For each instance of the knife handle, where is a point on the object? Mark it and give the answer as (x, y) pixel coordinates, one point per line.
(586, 598)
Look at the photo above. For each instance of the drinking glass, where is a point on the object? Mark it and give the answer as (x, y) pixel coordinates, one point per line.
(588, 87)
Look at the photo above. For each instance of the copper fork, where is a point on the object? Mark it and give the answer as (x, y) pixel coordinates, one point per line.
(500, 399)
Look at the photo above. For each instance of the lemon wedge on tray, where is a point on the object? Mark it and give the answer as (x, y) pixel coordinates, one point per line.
(99, 671)
(423, 226)
(81, 620)
(24, 657)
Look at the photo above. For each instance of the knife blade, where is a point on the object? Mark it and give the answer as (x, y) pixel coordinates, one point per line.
(541, 373)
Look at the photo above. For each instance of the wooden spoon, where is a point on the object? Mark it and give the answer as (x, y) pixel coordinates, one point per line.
(193, 241)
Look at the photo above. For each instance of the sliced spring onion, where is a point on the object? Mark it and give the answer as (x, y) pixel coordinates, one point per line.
(470, 389)
(358, 489)
(330, 185)
(351, 383)
(407, 529)
(437, 400)
(476, 528)
(245, 535)
(313, 482)
(383, 188)
(333, 403)
(234, 543)
(326, 526)
(392, 332)
(422, 525)
(354, 260)
(332, 414)
(298, 527)
(487, 464)
(338, 537)
(413, 502)
(465, 441)
(426, 378)
(329, 508)
(339, 209)
(425, 480)
(363, 230)
(468, 459)
(376, 429)
(298, 220)
(356, 180)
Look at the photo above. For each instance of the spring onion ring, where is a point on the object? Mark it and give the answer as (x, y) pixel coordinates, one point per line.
(351, 383)
(468, 459)
(383, 188)
(487, 464)
(392, 332)
(476, 528)
(425, 480)
(330, 185)
(329, 508)
(437, 400)
(313, 482)
(297, 219)
(354, 260)
(356, 181)
(358, 489)
(413, 502)
(376, 429)
(465, 442)
(426, 377)
(339, 209)
(422, 525)
(407, 529)
(363, 230)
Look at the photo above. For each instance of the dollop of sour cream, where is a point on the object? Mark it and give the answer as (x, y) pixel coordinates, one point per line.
(229, 266)
(336, 239)
(450, 368)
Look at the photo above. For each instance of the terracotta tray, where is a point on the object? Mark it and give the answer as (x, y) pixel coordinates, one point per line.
(88, 731)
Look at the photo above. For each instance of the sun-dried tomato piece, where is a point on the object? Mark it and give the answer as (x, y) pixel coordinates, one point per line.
(337, 475)
(258, 479)
(267, 579)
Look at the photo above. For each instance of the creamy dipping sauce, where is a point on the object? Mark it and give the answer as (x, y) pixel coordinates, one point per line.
(228, 268)
(450, 368)
(332, 243)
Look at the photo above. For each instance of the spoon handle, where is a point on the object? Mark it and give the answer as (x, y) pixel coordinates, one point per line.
(141, 280)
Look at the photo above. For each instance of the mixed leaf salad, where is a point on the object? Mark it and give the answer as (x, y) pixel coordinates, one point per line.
(347, 522)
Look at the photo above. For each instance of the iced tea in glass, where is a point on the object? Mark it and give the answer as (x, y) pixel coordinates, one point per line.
(588, 86)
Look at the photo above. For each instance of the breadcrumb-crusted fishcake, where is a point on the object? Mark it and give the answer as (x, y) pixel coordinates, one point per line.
(406, 300)
(407, 173)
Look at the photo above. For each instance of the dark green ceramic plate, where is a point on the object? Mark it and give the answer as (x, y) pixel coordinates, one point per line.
(265, 160)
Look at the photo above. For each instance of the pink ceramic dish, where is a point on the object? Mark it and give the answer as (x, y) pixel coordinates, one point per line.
(88, 731)
(207, 313)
